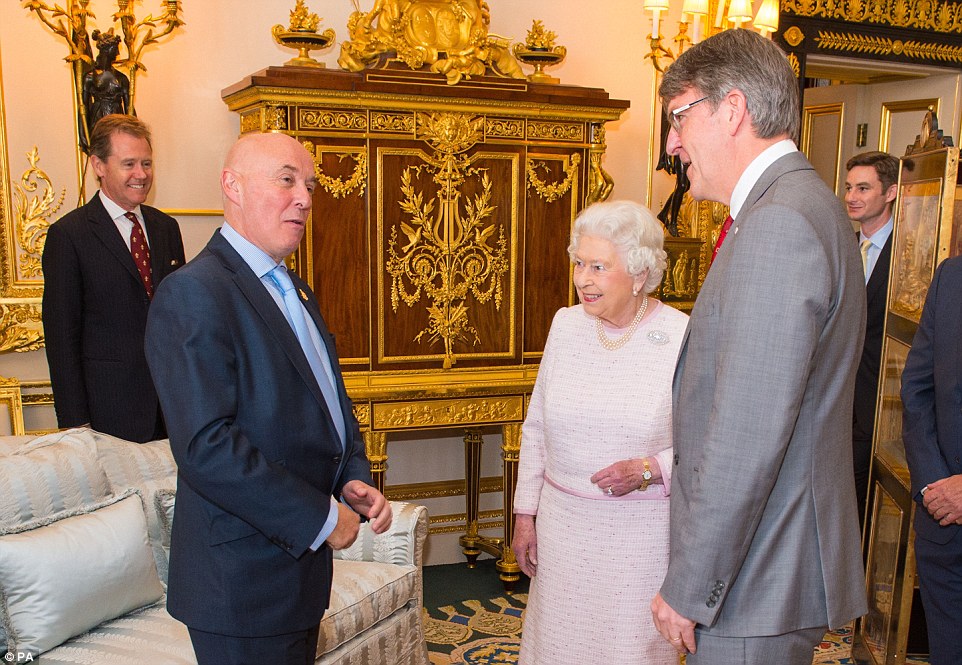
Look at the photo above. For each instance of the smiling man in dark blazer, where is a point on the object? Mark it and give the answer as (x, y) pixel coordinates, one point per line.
(932, 433)
(764, 551)
(101, 263)
(271, 471)
(871, 186)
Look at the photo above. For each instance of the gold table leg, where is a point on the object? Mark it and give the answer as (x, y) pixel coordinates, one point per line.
(473, 441)
(507, 565)
(375, 446)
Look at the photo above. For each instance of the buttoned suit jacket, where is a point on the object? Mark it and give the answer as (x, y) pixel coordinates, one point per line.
(257, 452)
(764, 535)
(94, 315)
(867, 376)
(932, 398)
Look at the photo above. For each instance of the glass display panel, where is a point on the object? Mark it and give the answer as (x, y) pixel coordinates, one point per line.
(882, 574)
(915, 247)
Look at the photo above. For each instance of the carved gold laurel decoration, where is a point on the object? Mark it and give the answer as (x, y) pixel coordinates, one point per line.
(504, 127)
(837, 41)
(20, 327)
(445, 254)
(363, 414)
(794, 64)
(944, 17)
(275, 117)
(553, 192)
(447, 412)
(333, 120)
(250, 122)
(393, 122)
(339, 187)
(31, 213)
(558, 131)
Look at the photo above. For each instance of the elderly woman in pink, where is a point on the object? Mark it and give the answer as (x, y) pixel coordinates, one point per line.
(595, 469)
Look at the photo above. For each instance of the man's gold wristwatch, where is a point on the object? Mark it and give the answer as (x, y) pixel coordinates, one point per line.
(645, 476)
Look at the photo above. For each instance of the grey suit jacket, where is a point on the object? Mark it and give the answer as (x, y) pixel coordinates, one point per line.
(764, 532)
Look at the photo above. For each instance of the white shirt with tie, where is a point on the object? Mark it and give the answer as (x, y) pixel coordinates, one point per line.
(124, 225)
(877, 240)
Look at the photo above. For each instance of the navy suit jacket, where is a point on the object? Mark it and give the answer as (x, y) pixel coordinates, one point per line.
(94, 316)
(932, 396)
(257, 452)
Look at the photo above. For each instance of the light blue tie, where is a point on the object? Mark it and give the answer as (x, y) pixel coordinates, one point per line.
(321, 370)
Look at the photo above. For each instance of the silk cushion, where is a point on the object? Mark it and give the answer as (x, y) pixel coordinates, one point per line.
(60, 577)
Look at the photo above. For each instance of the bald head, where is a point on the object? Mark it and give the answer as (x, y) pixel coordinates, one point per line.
(252, 149)
(268, 183)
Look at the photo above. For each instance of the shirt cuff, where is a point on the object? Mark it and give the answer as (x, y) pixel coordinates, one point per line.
(328, 527)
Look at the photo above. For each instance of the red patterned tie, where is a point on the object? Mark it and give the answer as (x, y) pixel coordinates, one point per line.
(140, 253)
(721, 236)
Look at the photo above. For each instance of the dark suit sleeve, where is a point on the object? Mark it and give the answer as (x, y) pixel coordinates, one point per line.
(195, 349)
(357, 467)
(919, 433)
(63, 326)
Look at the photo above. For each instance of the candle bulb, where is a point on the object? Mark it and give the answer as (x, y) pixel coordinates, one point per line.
(695, 9)
(655, 7)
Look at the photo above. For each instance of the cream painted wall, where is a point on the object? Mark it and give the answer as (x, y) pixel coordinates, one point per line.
(222, 42)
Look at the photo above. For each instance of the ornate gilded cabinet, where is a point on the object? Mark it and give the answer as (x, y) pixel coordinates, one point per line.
(925, 233)
(437, 245)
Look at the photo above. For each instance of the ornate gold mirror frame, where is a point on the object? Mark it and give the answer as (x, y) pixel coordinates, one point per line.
(23, 230)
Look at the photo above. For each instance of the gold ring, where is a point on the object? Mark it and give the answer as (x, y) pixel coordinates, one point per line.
(676, 639)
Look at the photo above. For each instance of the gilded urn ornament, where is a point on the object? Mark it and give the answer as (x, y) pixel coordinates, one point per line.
(539, 50)
(302, 34)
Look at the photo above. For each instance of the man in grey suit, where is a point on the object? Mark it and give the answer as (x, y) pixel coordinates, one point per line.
(764, 553)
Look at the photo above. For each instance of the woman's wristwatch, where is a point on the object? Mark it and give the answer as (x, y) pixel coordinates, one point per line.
(645, 476)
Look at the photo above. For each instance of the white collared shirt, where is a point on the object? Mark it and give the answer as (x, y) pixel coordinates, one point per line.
(878, 240)
(750, 176)
(124, 225)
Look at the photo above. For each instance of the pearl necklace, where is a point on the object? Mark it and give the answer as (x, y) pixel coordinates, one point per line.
(615, 344)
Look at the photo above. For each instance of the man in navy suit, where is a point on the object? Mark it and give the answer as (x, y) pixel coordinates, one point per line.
(932, 432)
(870, 190)
(260, 424)
(97, 292)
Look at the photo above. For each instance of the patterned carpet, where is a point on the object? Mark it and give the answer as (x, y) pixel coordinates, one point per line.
(485, 629)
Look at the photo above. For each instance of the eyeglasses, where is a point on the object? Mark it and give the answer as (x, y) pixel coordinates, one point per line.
(674, 117)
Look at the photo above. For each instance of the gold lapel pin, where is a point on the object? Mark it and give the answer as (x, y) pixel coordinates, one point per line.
(303, 295)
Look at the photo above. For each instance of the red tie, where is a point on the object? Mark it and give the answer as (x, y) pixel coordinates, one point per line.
(140, 253)
(721, 236)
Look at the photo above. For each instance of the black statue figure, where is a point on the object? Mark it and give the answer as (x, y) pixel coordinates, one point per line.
(106, 90)
(669, 213)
